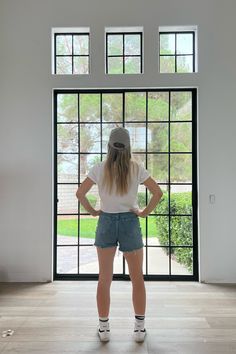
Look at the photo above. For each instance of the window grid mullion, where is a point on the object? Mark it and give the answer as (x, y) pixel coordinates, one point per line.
(169, 186)
(123, 53)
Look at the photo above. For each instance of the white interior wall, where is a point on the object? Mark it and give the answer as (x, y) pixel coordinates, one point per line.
(26, 83)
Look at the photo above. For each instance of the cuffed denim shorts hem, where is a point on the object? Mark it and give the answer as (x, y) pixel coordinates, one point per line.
(102, 246)
(133, 249)
(120, 249)
(119, 228)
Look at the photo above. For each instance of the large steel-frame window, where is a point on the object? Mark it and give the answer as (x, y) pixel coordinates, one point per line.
(177, 52)
(162, 125)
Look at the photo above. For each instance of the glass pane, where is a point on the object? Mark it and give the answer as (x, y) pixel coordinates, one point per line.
(63, 65)
(184, 43)
(115, 65)
(163, 205)
(135, 106)
(90, 138)
(67, 168)
(88, 260)
(181, 168)
(118, 262)
(81, 45)
(64, 45)
(132, 65)
(132, 44)
(181, 231)
(158, 105)
(106, 129)
(67, 107)
(185, 64)
(112, 107)
(152, 230)
(181, 105)
(67, 259)
(115, 44)
(67, 137)
(68, 202)
(140, 158)
(87, 161)
(142, 201)
(81, 65)
(94, 199)
(137, 132)
(143, 227)
(104, 156)
(158, 167)
(167, 44)
(181, 137)
(89, 107)
(162, 223)
(158, 230)
(144, 261)
(182, 261)
(167, 64)
(67, 230)
(181, 199)
(158, 260)
(157, 135)
(88, 224)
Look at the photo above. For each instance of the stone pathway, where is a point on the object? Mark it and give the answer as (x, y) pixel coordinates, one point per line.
(88, 262)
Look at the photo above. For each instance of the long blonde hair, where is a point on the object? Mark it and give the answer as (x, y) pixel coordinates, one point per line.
(117, 170)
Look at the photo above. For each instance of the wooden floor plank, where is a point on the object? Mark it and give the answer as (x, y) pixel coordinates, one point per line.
(61, 317)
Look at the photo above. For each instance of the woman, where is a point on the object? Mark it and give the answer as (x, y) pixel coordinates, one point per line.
(118, 178)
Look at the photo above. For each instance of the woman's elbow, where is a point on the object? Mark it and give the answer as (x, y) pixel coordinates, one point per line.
(158, 194)
(78, 194)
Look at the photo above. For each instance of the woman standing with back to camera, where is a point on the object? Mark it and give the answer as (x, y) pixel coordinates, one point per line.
(118, 178)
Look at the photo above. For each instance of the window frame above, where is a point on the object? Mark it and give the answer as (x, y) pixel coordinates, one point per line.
(70, 32)
(176, 31)
(124, 33)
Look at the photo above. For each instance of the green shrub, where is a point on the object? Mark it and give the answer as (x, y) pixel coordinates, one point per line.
(142, 200)
(181, 226)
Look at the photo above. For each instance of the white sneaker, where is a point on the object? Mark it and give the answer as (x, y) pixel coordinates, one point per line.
(139, 335)
(104, 333)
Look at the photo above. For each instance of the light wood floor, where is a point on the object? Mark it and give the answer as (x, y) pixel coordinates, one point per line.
(61, 317)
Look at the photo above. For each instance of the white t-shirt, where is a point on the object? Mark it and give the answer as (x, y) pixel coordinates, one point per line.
(113, 203)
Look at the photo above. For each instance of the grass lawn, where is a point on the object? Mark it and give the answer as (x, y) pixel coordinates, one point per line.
(69, 227)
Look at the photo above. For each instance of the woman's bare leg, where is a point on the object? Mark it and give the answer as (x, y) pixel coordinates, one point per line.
(135, 264)
(105, 259)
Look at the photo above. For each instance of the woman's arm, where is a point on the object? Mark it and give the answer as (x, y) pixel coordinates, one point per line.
(85, 186)
(157, 193)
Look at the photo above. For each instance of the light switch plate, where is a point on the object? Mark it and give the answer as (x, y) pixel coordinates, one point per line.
(212, 198)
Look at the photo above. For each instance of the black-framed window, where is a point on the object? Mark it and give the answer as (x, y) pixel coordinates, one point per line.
(71, 53)
(124, 53)
(177, 52)
(163, 130)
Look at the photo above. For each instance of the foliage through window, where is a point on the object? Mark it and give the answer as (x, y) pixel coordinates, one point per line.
(124, 53)
(71, 53)
(177, 52)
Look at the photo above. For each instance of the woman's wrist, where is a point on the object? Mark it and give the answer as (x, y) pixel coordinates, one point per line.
(144, 213)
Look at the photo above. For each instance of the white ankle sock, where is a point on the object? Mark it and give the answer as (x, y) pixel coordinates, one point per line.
(139, 322)
(104, 322)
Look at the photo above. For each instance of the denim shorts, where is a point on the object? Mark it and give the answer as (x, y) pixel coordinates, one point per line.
(119, 227)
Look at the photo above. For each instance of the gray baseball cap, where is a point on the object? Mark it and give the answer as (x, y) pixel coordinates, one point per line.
(119, 138)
